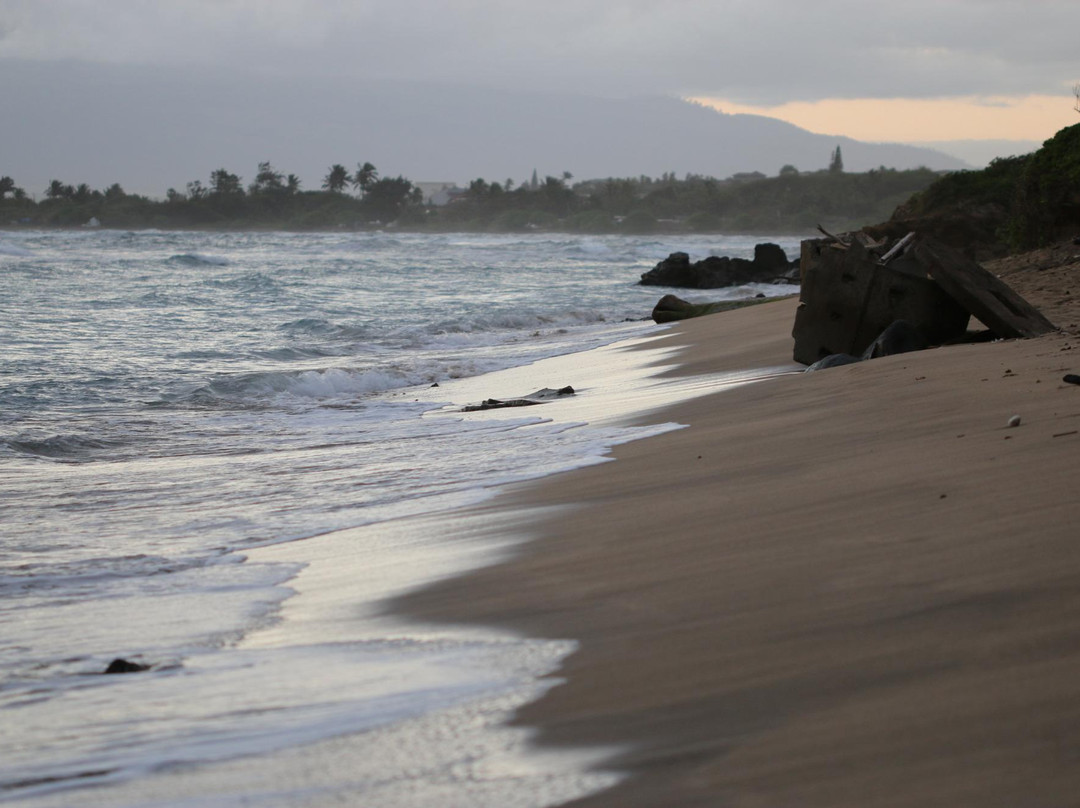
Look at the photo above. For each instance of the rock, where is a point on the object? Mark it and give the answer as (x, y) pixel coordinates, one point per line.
(1014, 420)
(771, 257)
(1071, 378)
(124, 666)
(671, 308)
(770, 265)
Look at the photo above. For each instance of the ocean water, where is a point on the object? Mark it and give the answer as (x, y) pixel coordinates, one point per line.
(171, 401)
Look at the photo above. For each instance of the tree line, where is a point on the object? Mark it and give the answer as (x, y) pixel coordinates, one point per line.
(792, 201)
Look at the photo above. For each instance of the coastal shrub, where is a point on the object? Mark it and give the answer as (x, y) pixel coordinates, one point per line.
(591, 221)
(638, 222)
(1046, 203)
(703, 222)
(1021, 202)
(994, 185)
(516, 221)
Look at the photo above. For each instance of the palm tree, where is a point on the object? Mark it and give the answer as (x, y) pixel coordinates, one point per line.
(365, 177)
(55, 189)
(7, 185)
(337, 179)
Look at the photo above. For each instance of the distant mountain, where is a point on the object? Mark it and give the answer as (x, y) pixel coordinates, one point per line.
(150, 128)
(980, 152)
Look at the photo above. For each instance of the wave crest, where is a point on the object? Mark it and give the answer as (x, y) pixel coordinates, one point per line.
(195, 258)
(62, 447)
(14, 249)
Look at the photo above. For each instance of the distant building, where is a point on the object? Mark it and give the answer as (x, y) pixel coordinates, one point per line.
(439, 193)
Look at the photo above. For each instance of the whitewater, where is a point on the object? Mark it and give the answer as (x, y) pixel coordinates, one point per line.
(180, 413)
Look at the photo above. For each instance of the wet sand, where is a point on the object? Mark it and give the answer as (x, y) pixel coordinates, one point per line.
(856, 587)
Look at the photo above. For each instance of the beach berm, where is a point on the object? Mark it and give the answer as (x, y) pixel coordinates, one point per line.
(859, 587)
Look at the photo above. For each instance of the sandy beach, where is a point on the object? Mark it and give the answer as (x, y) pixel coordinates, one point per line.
(856, 587)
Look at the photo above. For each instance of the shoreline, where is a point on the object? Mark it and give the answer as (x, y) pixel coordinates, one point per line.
(82, 228)
(850, 587)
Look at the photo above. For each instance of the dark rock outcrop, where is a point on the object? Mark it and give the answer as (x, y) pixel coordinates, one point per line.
(770, 265)
(771, 257)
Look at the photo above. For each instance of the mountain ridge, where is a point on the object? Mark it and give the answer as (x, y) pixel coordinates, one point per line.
(154, 128)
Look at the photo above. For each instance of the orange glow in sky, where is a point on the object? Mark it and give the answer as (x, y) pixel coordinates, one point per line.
(903, 120)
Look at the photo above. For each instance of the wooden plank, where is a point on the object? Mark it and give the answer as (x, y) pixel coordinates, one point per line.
(987, 297)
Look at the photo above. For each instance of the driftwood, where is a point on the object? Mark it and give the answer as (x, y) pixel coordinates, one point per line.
(119, 665)
(870, 242)
(539, 397)
(897, 249)
(836, 242)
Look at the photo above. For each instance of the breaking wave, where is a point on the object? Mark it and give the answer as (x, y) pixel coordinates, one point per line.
(266, 388)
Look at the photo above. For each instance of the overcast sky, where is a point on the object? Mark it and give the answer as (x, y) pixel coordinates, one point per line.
(916, 71)
(752, 52)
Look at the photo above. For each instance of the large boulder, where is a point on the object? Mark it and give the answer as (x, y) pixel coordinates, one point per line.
(771, 257)
(770, 265)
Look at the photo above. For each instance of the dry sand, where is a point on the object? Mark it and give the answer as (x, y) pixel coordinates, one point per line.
(858, 587)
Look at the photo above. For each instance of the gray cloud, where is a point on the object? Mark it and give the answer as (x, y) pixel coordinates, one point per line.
(762, 52)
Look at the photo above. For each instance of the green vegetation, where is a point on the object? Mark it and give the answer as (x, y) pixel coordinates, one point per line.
(1027, 201)
(746, 203)
(272, 200)
(1047, 201)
